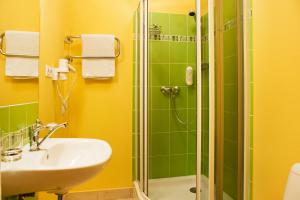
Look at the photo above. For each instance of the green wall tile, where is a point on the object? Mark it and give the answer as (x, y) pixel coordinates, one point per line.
(160, 121)
(160, 144)
(192, 97)
(177, 74)
(160, 51)
(204, 76)
(160, 74)
(192, 52)
(170, 141)
(204, 167)
(4, 120)
(178, 24)
(230, 182)
(175, 125)
(205, 52)
(230, 42)
(205, 144)
(205, 119)
(229, 11)
(178, 52)
(159, 167)
(230, 126)
(230, 154)
(178, 165)
(32, 113)
(18, 117)
(204, 22)
(230, 98)
(163, 20)
(230, 70)
(191, 26)
(192, 164)
(192, 119)
(179, 143)
(192, 142)
(159, 100)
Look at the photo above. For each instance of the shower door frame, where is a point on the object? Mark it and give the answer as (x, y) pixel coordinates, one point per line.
(142, 183)
(199, 100)
(142, 186)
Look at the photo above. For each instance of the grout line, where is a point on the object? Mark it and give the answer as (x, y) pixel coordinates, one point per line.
(20, 104)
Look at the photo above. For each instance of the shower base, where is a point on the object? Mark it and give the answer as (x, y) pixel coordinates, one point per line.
(178, 188)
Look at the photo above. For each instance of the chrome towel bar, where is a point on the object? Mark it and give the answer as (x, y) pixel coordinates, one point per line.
(2, 36)
(70, 39)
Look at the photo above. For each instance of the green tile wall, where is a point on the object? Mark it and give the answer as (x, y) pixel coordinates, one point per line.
(230, 84)
(14, 123)
(14, 118)
(172, 147)
(205, 96)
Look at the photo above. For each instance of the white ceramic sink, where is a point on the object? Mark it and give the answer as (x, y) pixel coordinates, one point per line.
(61, 164)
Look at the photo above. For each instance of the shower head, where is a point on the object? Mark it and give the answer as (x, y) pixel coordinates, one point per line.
(192, 13)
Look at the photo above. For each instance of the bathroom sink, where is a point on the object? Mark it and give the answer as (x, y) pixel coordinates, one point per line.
(61, 164)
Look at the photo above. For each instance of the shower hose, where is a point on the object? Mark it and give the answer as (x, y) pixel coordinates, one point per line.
(173, 94)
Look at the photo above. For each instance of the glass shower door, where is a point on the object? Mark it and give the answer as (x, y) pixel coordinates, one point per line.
(172, 99)
(189, 102)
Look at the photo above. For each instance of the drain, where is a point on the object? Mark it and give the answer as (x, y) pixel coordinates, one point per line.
(194, 189)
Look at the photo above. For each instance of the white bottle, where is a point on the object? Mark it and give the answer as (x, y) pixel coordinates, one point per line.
(189, 76)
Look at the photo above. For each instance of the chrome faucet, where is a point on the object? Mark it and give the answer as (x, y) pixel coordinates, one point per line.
(35, 136)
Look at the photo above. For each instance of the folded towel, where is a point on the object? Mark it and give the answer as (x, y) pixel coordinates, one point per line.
(102, 46)
(22, 43)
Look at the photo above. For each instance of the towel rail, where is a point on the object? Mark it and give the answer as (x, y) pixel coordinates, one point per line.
(2, 36)
(69, 40)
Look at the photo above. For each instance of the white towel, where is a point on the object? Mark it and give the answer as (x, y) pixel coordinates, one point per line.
(22, 43)
(94, 45)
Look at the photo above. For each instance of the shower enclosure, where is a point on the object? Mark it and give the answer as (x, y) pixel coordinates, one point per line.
(189, 137)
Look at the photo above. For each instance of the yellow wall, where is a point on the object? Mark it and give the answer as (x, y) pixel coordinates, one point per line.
(176, 6)
(97, 109)
(102, 109)
(14, 15)
(53, 28)
(276, 95)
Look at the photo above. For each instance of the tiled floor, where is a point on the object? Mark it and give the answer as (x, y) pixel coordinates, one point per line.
(115, 194)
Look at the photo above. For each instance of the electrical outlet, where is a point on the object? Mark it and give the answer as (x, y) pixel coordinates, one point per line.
(49, 71)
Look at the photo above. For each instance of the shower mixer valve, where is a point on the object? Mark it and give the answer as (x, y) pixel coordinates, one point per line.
(174, 91)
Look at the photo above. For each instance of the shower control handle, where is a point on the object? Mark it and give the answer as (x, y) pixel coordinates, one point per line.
(175, 90)
(170, 90)
(165, 90)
